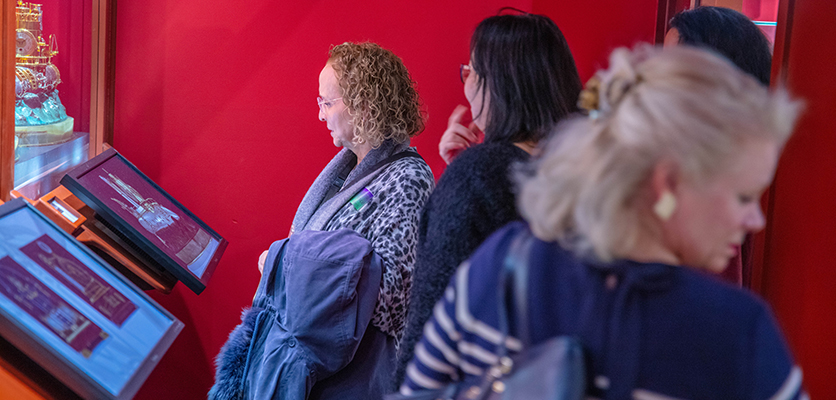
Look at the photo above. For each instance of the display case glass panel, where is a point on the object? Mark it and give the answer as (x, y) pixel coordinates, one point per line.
(57, 90)
(764, 13)
(71, 313)
(145, 215)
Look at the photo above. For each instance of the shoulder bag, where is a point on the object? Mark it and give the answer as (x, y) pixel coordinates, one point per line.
(551, 370)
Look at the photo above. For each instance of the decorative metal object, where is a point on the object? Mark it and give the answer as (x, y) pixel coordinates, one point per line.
(40, 118)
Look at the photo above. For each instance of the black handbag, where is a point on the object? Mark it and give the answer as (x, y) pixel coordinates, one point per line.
(551, 370)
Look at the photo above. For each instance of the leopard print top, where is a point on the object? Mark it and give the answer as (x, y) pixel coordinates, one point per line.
(390, 222)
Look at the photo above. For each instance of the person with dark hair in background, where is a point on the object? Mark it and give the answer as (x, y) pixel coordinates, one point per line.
(737, 38)
(727, 32)
(520, 81)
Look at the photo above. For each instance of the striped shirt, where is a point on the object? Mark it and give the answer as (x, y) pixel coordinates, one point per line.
(650, 331)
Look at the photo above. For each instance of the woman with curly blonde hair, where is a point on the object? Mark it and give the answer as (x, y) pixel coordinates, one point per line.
(369, 103)
(379, 97)
(335, 291)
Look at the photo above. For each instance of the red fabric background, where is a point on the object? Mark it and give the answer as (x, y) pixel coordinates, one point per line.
(798, 271)
(594, 28)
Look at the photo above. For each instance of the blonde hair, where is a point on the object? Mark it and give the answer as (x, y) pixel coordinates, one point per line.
(681, 104)
(378, 92)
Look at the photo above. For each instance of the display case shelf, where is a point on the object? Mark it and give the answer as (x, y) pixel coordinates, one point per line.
(39, 169)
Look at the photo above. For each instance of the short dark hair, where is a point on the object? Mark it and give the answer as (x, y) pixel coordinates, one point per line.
(729, 33)
(526, 64)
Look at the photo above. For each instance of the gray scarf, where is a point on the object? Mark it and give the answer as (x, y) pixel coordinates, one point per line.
(311, 215)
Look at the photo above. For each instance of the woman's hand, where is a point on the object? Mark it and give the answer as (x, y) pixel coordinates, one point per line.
(261, 259)
(457, 137)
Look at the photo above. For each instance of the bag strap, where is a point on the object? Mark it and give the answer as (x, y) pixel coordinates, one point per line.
(515, 269)
(339, 180)
(340, 183)
(521, 255)
(381, 164)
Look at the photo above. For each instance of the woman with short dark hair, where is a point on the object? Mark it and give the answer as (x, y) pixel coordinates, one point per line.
(521, 80)
(523, 66)
(727, 32)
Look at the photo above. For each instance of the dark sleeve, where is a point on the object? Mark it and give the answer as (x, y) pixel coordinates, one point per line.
(473, 198)
(456, 337)
(774, 375)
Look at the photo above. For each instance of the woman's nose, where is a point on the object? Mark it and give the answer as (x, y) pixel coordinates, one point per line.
(755, 220)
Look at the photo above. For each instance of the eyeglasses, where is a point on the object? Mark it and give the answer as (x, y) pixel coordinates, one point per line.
(326, 104)
(464, 71)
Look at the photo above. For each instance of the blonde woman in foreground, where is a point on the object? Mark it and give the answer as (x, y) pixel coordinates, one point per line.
(629, 208)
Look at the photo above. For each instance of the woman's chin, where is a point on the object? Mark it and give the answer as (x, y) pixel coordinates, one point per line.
(718, 265)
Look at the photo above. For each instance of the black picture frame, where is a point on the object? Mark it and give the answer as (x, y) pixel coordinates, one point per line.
(81, 183)
(122, 335)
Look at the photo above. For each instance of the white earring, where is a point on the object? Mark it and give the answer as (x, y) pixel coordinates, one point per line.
(665, 206)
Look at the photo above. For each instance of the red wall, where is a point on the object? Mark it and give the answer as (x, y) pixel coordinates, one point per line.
(594, 28)
(799, 273)
(215, 102)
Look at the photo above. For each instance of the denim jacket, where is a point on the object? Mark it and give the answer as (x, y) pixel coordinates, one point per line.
(311, 313)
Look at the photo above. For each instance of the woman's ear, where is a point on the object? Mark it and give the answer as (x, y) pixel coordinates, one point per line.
(664, 178)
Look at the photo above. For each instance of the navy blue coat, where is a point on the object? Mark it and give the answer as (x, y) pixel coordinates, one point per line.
(650, 331)
(310, 315)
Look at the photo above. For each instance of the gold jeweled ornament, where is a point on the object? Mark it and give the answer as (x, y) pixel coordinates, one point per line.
(40, 118)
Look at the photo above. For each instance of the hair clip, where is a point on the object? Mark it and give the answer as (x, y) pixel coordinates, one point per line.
(589, 97)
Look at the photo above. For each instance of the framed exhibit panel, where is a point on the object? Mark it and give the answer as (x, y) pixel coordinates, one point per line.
(71, 313)
(141, 213)
(57, 91)
(71, 214)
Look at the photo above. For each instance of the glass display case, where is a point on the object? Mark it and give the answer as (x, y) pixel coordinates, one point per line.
(61, 99)
(764, 13)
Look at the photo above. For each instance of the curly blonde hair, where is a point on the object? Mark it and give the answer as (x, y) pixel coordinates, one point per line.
(680, 104)
(378, 92)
